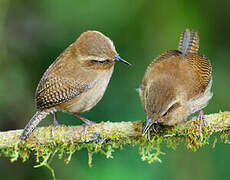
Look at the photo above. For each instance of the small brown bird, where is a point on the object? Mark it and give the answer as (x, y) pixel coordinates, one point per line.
(77, 80)
(176, 84)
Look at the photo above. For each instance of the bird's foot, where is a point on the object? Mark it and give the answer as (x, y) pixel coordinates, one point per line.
(55, 123)
(86, 125)
(168, 135)
(157, 133)
(200, 119)
(149, 124)
(97, 139)
(85, 128)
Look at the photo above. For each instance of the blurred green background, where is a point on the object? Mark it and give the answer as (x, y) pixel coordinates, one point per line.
(34, 33)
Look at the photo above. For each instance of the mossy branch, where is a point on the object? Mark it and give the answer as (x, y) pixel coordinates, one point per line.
(106, 136)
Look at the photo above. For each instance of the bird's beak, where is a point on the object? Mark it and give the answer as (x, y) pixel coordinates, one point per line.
(118, 58)
(148, 124)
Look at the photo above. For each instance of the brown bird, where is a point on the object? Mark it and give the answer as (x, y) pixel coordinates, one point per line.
(77, 80)
(176, 84)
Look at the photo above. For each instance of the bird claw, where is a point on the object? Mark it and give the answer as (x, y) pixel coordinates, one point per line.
(154, 129)
(147, 127)
(86, 125)
(84, 131)
(168, 135)
(55, 123)
(52, 131)
(149, 135)
(97, 139)
(201, 119)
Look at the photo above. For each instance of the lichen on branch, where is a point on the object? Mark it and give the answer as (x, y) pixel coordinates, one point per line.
(104, 137)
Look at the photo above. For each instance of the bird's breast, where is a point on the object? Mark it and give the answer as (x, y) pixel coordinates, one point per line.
(88, 99)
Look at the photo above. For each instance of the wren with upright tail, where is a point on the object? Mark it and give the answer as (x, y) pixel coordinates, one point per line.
(77, 79)
(176, 84)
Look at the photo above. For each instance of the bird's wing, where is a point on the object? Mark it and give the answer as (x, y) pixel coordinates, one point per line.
(57, 90)
(62, 81)
(202, 69)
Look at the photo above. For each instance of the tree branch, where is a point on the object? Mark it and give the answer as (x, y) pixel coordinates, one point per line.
(105, 136)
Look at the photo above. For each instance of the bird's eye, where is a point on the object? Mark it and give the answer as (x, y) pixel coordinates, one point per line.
(101, 61)
(107, 61)
(173, 107)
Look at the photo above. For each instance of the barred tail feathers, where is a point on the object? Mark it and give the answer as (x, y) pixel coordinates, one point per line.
(189, 42)
(32, 124)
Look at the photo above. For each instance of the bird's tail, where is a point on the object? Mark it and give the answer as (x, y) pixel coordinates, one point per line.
(34, 121)
(189, 42)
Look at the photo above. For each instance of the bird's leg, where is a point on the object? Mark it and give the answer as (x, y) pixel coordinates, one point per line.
(154, 129)
(149, 135)
(97, 137)
(147, 127)
(55, 123)
(201, 119)
(86, 125)
(201, 115)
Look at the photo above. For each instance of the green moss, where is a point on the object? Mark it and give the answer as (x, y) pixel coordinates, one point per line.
(150, 151)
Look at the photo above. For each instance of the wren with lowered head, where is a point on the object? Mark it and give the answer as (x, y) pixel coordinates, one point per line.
(77, 80)
(176, 84)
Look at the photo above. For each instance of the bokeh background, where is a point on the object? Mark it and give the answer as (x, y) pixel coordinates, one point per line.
(34, 33)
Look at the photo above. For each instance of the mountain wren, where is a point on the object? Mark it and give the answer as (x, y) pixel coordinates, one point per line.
(176, 84)
(77, 79)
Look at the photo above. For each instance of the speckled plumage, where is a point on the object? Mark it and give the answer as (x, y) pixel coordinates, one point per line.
(177, 83)
(78, 78)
